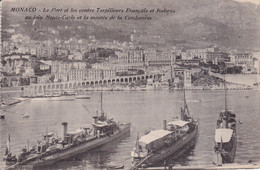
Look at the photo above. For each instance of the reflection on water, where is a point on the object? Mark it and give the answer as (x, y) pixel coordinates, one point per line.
(145, 110)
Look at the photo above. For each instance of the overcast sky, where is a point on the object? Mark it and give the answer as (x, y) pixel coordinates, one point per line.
(253, 1)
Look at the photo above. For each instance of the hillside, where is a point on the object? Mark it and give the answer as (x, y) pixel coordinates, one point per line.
(195, 23)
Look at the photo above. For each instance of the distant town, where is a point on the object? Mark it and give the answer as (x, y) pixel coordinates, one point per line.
(94, 62)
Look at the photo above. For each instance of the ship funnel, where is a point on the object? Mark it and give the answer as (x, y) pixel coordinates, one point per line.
(95, 119)
(164, 124)
(65, 129)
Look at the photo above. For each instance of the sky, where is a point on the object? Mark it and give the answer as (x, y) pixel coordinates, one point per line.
(252, 1)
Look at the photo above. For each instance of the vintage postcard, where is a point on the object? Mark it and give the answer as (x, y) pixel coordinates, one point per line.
(130, 84)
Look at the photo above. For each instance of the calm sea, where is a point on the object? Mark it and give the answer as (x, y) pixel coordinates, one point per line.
(145, 110)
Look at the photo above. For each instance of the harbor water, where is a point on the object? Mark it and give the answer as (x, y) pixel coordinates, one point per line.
(145, 110)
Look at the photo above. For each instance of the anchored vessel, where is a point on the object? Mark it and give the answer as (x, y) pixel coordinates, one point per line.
(50, 150)
(176, 137)
(225, 136)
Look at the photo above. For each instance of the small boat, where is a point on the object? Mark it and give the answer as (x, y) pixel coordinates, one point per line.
(26, 115)
(2, 116)
(82, 97)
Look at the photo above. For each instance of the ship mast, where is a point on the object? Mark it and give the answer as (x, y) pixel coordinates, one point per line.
(171, 82)
(101, 104)
(185, 102)
(225, 88)
(101, 97)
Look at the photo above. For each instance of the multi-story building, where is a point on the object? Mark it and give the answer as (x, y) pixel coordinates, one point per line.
(68, 71)
(77, 75)
(158, 58)
(216, 57)
(44, 66)
(256, 57)
(185, 74)
(62, 52)
(201, 53)
(61, 77)
(43, 79)
(130, 56)
(100, 74)
(245, 60)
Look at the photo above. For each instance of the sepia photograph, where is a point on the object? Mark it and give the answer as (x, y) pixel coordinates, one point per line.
(129, 84)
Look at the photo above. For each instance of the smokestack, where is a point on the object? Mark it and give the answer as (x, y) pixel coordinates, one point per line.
(65, 128)
(164, 125)
(95, 119)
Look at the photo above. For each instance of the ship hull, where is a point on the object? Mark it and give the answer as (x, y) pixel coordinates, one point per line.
(182, 145)
(66, 154)
(230, 157)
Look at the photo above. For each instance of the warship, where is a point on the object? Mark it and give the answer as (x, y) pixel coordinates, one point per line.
(50, 150)
(225, 136)
(176, 137)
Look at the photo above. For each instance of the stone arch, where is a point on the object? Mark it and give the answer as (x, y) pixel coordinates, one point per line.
(74, 85)
(57, 86)
(53, 86)
(83, 84)
(92, 82)
(49, 86)
(134, 79)
(66, 86)
(113, 80)
(151, 76)
(138, 78)
(126, 79)
(40, 87)
(121, 80)
(105, 82)
(142, 77)
(100, 81)
(70, 85)
(117, 80)
(130, 79)
(147, 77)
(96, 82)
(61, 86)
(109, 81)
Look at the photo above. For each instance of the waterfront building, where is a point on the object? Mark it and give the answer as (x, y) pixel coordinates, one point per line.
(256, 57)
(185, 75)
(245, 60)
(43, 79)
(61, 77)
(98, 74)
(77, 75)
